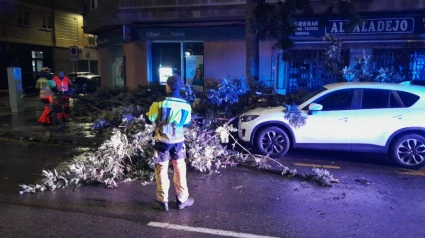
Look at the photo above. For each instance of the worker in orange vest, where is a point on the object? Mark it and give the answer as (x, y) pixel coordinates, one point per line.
(45, 85)
(62, 90)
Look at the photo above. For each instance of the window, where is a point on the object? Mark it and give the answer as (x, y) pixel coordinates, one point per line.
(338, 100)
(194, 64)
(310, 95)
(166, 60)
(378, 98)
(93, 4)
(91, 40)
(37, 60)
(46, 22)
(408, 99)
(23, 19)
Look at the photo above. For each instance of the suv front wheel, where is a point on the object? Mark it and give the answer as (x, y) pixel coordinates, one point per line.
(409, 151)
(273, 141)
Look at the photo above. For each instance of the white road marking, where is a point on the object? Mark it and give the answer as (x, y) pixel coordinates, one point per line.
(206, 230)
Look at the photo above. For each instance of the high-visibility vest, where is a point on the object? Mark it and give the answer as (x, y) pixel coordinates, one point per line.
(62, 85)
(45, 87)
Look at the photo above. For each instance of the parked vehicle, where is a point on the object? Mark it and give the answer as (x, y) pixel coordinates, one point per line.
(84, 82)
(361, 117)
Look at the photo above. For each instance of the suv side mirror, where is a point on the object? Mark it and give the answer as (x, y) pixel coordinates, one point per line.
(315, 107)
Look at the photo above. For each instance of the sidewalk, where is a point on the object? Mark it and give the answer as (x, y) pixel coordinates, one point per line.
(26, 124)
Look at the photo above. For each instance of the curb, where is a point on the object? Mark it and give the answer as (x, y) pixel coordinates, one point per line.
(53, 137)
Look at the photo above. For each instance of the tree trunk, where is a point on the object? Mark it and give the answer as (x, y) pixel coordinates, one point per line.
(252, 43)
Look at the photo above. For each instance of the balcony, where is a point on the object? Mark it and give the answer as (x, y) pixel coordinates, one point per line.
(168, 11)
(112, 13)
(364, 5)
(146, 4)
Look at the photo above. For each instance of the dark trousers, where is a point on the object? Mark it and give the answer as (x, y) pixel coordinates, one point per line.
(165, 151)
(62, 106)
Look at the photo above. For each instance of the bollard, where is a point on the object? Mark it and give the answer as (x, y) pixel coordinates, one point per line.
(14, 76)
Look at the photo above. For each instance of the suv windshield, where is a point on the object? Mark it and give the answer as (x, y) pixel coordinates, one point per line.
(310, 94)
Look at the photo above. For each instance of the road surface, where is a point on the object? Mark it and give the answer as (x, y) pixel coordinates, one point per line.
(373, 199)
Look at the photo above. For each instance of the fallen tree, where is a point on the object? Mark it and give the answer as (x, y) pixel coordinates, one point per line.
(128, 154)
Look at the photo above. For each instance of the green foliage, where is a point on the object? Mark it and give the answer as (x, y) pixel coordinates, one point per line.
(106, 99)
(346, 9)
(188, 93)
(333, 60)
(295, 116)
(128, 153)
(361, 72)
(361, 69)
(389, 76)
(117, 116)
(228, 99)
(204, 152)
(275, 19)
(323, 176)
(228, 92)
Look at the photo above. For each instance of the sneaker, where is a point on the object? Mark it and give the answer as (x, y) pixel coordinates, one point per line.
(163, 205)
(189, 202)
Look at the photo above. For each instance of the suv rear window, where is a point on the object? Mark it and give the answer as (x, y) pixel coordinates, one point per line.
(408, 98)
(378, 99)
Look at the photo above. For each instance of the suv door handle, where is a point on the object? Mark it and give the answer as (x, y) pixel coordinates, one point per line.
(398, 116)
(345, 119)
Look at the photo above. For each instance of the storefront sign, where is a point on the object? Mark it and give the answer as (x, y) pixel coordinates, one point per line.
(375, 26)
(192, 33)
(308, 28)
(304, 28)
(170, 34)
(318, 27)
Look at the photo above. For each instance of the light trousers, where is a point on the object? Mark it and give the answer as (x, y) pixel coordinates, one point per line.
(163, 182)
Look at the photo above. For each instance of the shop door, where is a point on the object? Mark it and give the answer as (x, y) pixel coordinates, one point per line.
(306, 70)
(166, 61)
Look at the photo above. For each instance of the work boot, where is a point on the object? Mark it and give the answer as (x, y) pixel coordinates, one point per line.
(189, 202)
(163, 205)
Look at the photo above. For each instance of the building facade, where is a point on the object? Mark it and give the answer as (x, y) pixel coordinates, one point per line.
(35, 34)
(143, 41)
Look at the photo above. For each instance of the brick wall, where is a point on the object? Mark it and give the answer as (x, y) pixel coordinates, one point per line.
(222, 58)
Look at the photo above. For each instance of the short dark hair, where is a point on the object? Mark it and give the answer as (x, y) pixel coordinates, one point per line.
(175, 83)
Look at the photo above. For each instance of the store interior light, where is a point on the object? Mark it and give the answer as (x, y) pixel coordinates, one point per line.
(187, 53)
(164, 73)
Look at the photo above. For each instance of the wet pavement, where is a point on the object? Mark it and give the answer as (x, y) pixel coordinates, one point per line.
(27, 121)
(373, 199)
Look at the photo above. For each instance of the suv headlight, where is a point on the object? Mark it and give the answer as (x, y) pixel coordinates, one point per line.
(248, 118)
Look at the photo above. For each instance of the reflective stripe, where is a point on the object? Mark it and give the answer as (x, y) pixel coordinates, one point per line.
(170, 115)
(183, 118)
(62, 85)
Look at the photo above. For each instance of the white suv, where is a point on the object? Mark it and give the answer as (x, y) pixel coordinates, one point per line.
(363, 117)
